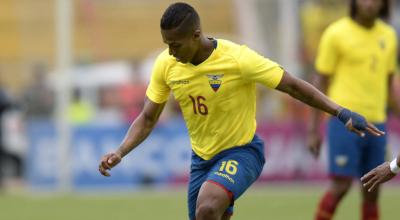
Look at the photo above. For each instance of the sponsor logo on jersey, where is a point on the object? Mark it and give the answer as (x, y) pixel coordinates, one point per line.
(179, 82)
(215, 81)
(226, 176)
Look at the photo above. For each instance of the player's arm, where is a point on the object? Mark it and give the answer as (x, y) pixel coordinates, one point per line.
(314, 138)
(138, 132)
(305, 92)
(394, 100)
(381, 174)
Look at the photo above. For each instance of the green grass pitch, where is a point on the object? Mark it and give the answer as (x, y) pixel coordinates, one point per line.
(288, 202)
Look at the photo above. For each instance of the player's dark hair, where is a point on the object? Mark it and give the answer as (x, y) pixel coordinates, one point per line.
(384, 13)
(179, 14)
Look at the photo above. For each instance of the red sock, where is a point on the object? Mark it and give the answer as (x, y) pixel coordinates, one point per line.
(370, 211)
(327, 206)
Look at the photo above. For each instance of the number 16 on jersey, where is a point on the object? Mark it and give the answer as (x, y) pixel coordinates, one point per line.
(198, 105)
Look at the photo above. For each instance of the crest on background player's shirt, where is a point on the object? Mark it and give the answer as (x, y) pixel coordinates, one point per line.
(215, 81)
(382, 44)
(341, 160)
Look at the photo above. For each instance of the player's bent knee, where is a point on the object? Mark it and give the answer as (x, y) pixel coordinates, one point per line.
(340, 191)
(371, 197)
(341, 186)
(210, 208)
(212, 201)
(207, 211)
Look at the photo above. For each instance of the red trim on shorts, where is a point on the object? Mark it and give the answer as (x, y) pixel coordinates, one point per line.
(229, 193)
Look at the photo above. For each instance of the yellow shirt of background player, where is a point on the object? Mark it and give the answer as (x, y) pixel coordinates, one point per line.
(218, 96)
(359, 61)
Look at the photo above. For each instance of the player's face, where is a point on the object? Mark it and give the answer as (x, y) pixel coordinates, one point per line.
(369, 9)
(182, 45)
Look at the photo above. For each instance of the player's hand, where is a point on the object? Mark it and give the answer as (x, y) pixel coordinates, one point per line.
(378, 175)
(314, 142)
(107, 162)
(357, 123)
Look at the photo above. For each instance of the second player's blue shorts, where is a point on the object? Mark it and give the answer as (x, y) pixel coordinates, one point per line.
(234, 169)
(350, 155)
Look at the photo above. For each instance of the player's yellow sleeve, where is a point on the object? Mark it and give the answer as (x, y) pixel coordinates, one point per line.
(257, 68)
(393, 55)
(327, 53)
(158, 90)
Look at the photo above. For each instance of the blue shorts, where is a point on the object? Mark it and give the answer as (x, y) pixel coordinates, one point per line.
(351, 155)
(234, 169)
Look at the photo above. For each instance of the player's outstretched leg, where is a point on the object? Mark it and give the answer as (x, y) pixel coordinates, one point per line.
(370, 208)
(212, 202)
(328, 203)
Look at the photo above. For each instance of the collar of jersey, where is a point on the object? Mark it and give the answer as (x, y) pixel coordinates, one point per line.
(360, 27)
(206, 60)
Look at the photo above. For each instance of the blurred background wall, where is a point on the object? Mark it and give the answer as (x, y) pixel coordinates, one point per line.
(101, 31)
(60, 121)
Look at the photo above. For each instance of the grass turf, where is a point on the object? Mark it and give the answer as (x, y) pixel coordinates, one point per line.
(294, 202)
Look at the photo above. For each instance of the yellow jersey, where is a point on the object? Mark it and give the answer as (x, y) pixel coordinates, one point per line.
(218, 96)
(359, 61)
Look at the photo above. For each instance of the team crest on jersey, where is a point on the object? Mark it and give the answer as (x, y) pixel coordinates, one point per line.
(382, 44)
(215, 81)
(341, 160)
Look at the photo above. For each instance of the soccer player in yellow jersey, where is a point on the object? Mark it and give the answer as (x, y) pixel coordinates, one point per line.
(213, 81)
(356, 63)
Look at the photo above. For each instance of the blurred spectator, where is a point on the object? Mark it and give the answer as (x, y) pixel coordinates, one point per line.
(80, 112)
(109, 109)
(5, 155)
(38, 97)
(316, 15)
(131, 96)
(396, 24)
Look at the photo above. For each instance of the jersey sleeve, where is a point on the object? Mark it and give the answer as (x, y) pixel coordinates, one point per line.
(257, 68)
(393, 55)
(327, 55)
(158, 90)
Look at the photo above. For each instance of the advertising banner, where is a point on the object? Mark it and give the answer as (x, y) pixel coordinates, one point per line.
(164, 158)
